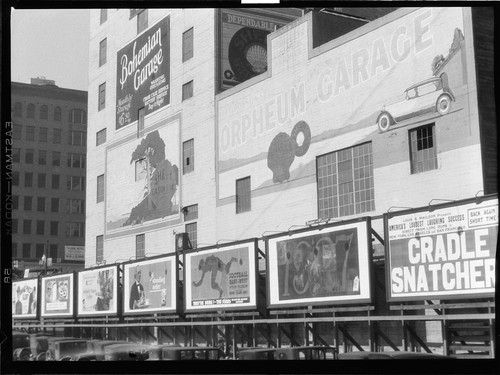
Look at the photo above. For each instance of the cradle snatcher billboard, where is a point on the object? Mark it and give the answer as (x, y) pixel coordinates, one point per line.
(324, 265)
(221, 278)
(25, 298)
(143, 74)
(442, 252)
(98, 291)
(57, 295)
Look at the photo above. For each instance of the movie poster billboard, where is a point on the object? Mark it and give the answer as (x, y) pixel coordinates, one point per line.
(57, 297)
(143, 74)
(222, 278)
(150, 286)
(442, 252)
(25, 298)
(98, 291)
(320, 266)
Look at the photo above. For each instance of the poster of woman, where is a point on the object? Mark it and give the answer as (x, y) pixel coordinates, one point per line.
(24, 298)
(57, 295)
(97, 291)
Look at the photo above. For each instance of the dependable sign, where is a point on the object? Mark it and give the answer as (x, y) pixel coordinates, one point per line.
(447, 253)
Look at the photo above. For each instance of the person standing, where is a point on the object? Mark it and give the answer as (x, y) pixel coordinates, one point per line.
(136, 292)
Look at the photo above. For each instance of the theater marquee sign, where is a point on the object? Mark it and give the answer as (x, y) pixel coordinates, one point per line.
(445, 253)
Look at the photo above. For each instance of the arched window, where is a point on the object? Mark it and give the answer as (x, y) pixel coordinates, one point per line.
(18, 109)
(44, 112)
(31, 111)
(57, 114)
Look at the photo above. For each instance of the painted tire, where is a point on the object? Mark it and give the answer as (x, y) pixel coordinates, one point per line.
(301, 127)
(246, 45)
(384, 122)
(443, 104)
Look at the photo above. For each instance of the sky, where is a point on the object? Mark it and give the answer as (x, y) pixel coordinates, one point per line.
(50, 43)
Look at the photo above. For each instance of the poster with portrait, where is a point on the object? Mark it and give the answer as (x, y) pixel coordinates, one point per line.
(57, 295)
(97, 291)
(324, 265)
(25, 298)
(221, 278)
(150, 286)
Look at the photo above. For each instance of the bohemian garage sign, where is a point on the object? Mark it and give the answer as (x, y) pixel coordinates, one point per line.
(143, 74)
(442, 253)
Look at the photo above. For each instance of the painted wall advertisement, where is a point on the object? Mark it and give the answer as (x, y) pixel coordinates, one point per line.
(447, 253)
(221, 279)
(143, 74)
(150, 286)
(315, 103)
(24, 298)
(320, 266)
(57, 295)
(97, 291)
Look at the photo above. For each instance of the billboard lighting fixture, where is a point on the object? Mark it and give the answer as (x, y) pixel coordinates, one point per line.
(437, 199)
(269, 231)
(120, 260)
(149, 254)
(399, 208)
(479, 198)
(217, 243)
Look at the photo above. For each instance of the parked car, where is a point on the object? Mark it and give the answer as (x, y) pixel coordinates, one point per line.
(95, 350)
(256, 353)
(38, 346)
(21, 354)
(63, 348)
(367, 355)
(192, 353)
(430, 95)
(126, 352)
(20, 340)
(306, 352)
(156, 351)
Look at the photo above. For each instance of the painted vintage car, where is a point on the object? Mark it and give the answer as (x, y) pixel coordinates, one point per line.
(430, 95)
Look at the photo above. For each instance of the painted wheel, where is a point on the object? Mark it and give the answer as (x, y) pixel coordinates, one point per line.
(443, 104)
(384, 122)
(247, 53)
(301, 127)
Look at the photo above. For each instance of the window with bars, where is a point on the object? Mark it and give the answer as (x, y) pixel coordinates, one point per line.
(243, 195)
(140, 122)
(42, 135)
(188, 156)
(142, 21)
(30, 133)
(423, 154)
(187, 90)
(140, 246)
(99, 249)
(102, 97)
(192, 231)
(100, 188)
(100, 137)
(190, 212)
(44, 112)
(187, 45)
(102, 52)
(345, 182)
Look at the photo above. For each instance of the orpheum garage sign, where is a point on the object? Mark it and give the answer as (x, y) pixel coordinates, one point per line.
(143, 74)
(442, 253)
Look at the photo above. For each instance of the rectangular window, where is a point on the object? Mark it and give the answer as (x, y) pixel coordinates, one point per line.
(75, 206)
(99, 249)
(423, 154)
(243, 195)
(57, 136)
(140, 169)
(100, 188)
(40, 204)
(26, 250)
(142, 21)
(100, 137)
(140, 246)
(188, 156)
(187, 45)
(192, 232)
(190, 212)
(17, 131)
(18, 109)
(102, 96)
(77, 138)
(30, 133)
(16, 155)
(44, 113)
(76, 160)
(28, 203)
(14, 226)
(54, 228)
(102, 52)
(42, 135)
(104, 15)
(187, 90)
(28, 179)
(15, 178)
(53, 252)
(140, 122)
(54, 204)
(40, 227)
(57, 114)
(27, 226)
(345, 182)
(76, 183)
(29, 156)
(55, 181)
(74, 229)
(15, 202)
(40, 250)
(42, 177)
(56, 158)
(42, 157)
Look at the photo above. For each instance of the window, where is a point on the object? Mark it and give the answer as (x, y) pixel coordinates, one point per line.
(57, 114)
(14, 250)
(28, 203)
(74, 229)
(77, 138)
(31, 111)
(140, 169)
(100, 137)
(76, 160)
(40, 250)
(15, 178)
(54, 228)
(56, 181)
(187, 90)
(29, 155)
(26, 250)
(102, 52)
(140, 122)
(28, 179)
(77, 116)
(423, 156)
(42, 177)
(75, 206)
(18, 109)
(40, 227)
(190, 212)
(14, 226)
(99, 249)
(191, 230)
(100, 188)
(30, 133)
(40, 204)
(104, 15)
(102, 96)
(42, 135)
(187, 45)
(142, 21)
(76, 183)
(15, 202)
(243, 195)
(54, 204)
(345, 182)
(16, 155)
(27, 226)
(56, 158)
(42, 157)
(53, 251)
(140, 247)
(17, 131)
(188, 156)
(44, 112)
(57, 136)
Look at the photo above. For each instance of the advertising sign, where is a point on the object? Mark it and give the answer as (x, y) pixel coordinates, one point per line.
(24, 298)
(57, 295)
(98, 291)
(327, 265)
(221, 278)
(445, 253)
(150, 286)
(74, 253)
(143, 74)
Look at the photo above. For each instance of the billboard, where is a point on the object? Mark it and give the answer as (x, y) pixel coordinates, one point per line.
(74, 253)
(150, 286)
(442, 252)
(143, 74)
(222, 278)
(25, 298)
(325, 265)
(57, 298)
(98, 291)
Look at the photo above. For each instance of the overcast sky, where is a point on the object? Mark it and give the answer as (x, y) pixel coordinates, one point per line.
(52, 43)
